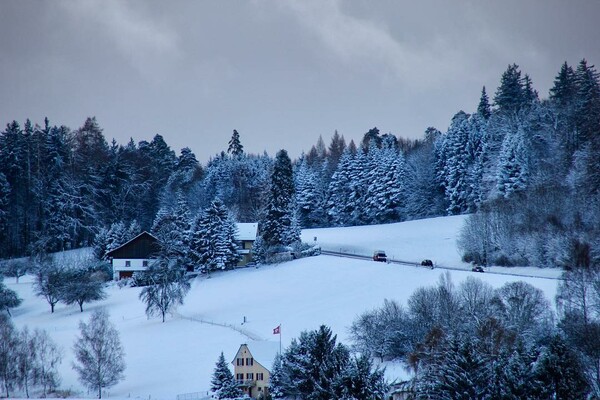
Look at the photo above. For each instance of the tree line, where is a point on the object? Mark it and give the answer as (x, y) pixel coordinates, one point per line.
(516, 154)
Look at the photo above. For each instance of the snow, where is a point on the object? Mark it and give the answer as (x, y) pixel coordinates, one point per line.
(178, 356)
(247, 230)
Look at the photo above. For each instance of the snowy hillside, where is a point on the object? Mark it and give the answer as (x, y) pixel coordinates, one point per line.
(176, 357)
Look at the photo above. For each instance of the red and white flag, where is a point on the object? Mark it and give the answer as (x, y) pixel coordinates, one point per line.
(277, 331)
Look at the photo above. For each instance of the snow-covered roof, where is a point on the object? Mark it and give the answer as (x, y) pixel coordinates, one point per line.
(247, 230)
(263, 352)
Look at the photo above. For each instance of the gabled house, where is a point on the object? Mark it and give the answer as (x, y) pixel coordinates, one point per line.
(246, 236)
(135, 255)
(252, 367)
(141, 251)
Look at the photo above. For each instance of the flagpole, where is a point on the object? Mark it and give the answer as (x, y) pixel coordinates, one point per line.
(280, 339)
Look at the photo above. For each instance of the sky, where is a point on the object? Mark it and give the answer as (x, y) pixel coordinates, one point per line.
(280, 72)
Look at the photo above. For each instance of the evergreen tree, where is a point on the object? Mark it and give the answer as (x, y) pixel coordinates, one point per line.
(280, 227)
(361, 381)
(456, 162)
(223, 384)
(4, 212)
(513, 167)
(386, 195)
(235, 147)
(560, 372)
(213, 239)
(311, 366)
(8, 298)
(339, 207)
(509, 96)
(310, 195)
(484, 108)
(587, 107)
(564, 89)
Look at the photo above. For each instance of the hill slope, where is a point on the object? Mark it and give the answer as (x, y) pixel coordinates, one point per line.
(178, 356)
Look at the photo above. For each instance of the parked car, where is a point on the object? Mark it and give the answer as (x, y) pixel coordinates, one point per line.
(379, 255)
(477, 268)
(427, 263)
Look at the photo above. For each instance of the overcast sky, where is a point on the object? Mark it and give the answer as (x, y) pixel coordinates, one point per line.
(280, 72)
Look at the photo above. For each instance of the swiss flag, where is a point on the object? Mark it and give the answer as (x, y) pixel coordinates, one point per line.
(277, 330)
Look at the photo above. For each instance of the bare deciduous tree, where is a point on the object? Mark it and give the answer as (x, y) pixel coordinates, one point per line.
(99, 353)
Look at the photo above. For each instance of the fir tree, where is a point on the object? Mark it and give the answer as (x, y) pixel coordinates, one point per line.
(223, 383)
(513, 168)
(279, 227)
(235, 147)
(509, 96)
(8, 298)
(484, 108)
(213, 239)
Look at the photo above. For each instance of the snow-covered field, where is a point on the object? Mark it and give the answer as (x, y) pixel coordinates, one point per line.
(178, 356)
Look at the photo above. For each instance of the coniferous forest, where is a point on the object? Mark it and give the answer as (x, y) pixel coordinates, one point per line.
(527, 169)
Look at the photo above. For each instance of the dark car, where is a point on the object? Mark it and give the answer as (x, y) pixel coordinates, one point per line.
(427, 263)
(477, 268)
(379, 255)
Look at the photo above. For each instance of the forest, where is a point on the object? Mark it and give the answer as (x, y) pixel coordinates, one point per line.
(526, 168)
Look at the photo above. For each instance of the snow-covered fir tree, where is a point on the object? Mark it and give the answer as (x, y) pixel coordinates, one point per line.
(213, 244)
(222, 383)
(280, 226)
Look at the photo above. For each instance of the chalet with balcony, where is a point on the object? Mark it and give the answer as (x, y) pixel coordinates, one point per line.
(135, 255)
(252, 367)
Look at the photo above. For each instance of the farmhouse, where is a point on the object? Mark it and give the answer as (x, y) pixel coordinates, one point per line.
(252, 367)
(138, 253)
(135, 255)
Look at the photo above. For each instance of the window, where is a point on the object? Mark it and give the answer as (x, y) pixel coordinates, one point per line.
(249, 376)
(260, 376)
(240, 361)
(128, 263)
(239, 377)
(145, 263)
(249, 361)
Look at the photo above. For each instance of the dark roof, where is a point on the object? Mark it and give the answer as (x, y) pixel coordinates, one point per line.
(142, 246)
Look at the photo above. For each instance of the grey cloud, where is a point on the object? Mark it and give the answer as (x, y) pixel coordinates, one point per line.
(280, 72)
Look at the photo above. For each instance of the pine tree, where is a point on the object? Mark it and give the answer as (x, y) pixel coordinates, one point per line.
(235, 147)
(223, 383)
